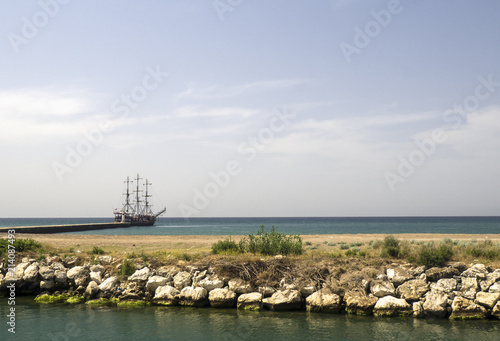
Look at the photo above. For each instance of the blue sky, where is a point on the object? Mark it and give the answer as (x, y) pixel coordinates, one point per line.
(251, 108)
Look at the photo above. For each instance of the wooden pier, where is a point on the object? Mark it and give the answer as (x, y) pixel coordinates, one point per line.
(44, 229)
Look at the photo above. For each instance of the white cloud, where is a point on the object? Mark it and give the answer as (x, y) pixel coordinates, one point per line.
(35, 103)
(218, 92)
(195, 111)
(32, 115)
(480, 136)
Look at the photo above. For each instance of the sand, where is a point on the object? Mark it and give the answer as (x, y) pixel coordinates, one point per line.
(197, 242)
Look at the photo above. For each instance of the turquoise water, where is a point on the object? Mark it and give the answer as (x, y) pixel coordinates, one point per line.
(78, 322)
(290, 225)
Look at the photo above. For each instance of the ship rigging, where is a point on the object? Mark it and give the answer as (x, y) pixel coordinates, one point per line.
(138, 212)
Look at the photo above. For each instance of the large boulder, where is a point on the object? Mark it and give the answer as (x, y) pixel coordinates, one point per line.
(486, 299)
(435, 274)
(60, 277)
(108, 284)
(79, 274)
(48, 284)
(46, 273)
(31, 273)
(288, 299)
(141, 276)
(477, 271)
(444, 285)
(392, 306)
(383, 288)
(412, 290)
(106, 259)
(97, 268)
(222, 298)
(193, 297)
(70, 261)
(323, 300)
(91, 290)
(168, 271)
(240, 286)
(469, 288)
(435, 304)
(267, 291)
(250, 301)
(398, 275)
(198, 276)
(211, 283)
(166, 295)
(96, 277)
(491, 278)
(58, 266)
(359, 303)
(155, 282)
(356, 280)
(182, 280)
(463, 308)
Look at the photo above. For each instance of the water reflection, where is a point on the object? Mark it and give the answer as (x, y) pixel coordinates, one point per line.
(79, 322)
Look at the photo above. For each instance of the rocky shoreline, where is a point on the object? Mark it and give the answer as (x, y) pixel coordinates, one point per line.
(456, 291)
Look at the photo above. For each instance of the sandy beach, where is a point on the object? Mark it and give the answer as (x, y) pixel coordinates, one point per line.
(197, 242)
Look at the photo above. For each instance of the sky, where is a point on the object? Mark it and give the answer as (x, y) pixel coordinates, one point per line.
(251, 108)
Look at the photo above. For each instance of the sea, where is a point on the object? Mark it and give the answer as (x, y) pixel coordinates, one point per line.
(288, 225)
(78, 322)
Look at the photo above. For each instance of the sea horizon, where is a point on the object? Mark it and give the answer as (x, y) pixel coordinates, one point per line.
(288, 225)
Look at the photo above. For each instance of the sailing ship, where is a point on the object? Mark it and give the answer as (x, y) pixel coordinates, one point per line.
(135, 211)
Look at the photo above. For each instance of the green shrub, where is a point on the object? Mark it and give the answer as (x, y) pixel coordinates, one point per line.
(127, 268)
(227, 246)
(344, 246)
(350, 253)
(97, 251)
(391, 248)
(431, 256)
(486, 250)
(20, 245)
(271, 243)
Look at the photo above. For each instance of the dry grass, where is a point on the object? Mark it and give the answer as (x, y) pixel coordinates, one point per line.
(317, 249)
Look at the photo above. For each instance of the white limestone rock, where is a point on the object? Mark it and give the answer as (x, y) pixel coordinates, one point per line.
(250, 301)
(222, 298)
(392, 306)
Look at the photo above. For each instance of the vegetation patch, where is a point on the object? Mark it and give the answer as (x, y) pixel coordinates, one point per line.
(75, 299)
(227, 246)
(432, 256)
(127, 268)
(391, 248)
(20, 245)
(102, 302)
(97, 251)
(271, 243)
(45, 298)
(131, 304)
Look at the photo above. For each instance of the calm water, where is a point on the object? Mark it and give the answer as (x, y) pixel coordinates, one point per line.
(312, 225)
(65, 322)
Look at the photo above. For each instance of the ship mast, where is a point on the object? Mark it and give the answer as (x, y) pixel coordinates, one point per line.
(137, 200)
(127, 208)
(147, 207)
